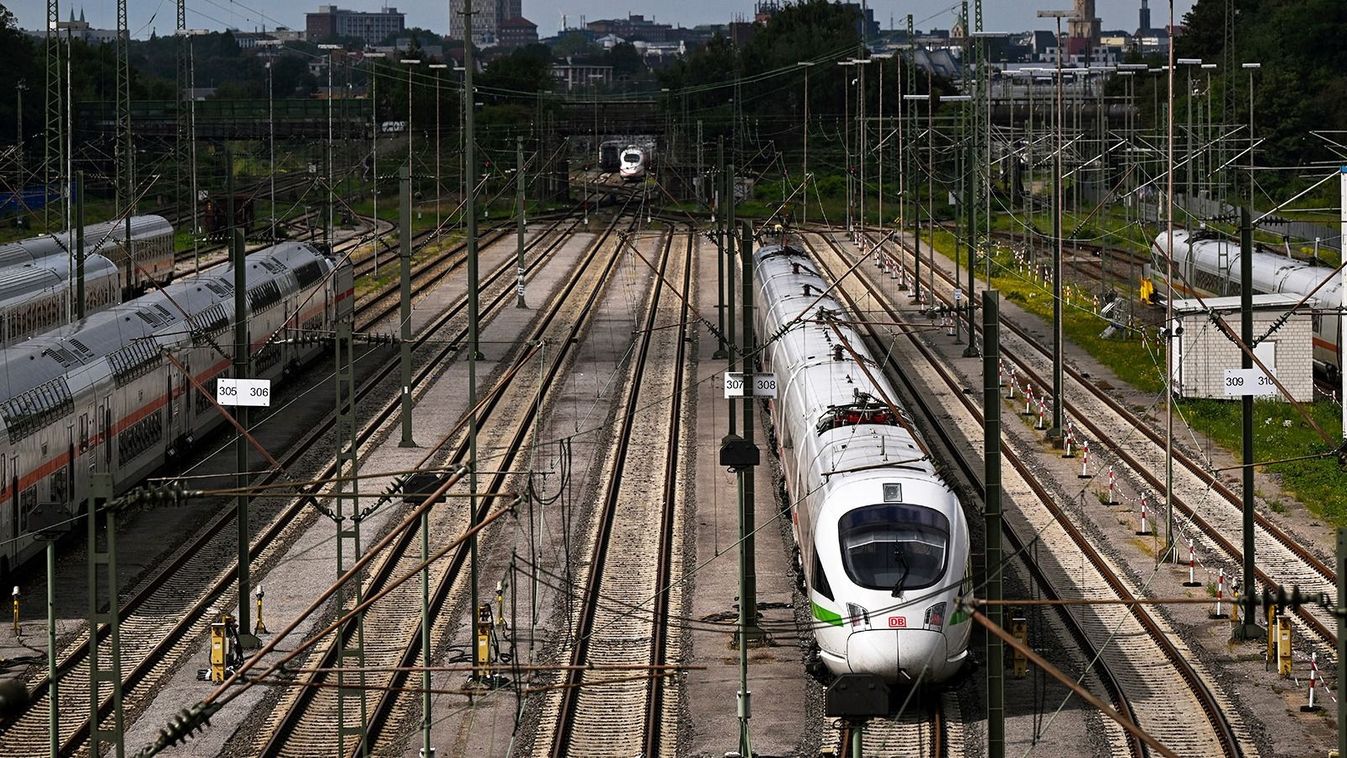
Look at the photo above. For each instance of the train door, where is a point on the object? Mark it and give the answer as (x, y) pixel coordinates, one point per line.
(9, 522)
(105, 412)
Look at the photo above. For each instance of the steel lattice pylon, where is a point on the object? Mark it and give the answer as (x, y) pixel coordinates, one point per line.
(181, 153)
(53, 142)
(125, 165)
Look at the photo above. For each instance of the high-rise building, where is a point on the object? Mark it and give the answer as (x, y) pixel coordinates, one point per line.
(331, 21)
(1144, 18)
(487, 17)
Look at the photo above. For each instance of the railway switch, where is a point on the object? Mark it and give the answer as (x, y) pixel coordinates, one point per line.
(1019, 626)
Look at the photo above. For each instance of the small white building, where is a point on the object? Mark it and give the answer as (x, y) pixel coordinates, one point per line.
(1203, 352)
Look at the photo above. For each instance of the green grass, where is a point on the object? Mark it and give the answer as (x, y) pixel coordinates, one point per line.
(1318, 483)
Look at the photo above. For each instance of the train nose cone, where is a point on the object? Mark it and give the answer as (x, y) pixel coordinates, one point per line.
(897, 655)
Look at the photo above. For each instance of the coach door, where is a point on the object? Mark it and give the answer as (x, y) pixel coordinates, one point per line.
(105, 412)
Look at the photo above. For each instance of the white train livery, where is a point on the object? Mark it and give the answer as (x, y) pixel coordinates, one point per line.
(883, 540)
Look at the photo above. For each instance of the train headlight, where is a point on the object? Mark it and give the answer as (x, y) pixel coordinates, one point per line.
(857, 614)
(935, 617)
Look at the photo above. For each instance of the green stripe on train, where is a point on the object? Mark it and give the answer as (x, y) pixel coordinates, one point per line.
(825, 615)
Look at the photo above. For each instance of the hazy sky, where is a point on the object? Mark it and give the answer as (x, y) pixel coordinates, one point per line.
(145, 15)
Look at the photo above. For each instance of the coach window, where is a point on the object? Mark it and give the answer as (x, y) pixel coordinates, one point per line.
(894, 546)
(820, 579)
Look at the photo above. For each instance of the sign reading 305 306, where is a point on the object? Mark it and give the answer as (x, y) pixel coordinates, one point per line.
(255, 392)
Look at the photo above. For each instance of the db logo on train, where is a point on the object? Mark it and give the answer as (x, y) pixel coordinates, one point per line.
(897, 622)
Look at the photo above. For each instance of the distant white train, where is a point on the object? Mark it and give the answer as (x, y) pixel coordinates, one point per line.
(884, 544)
(635, 162)
(1209, 264)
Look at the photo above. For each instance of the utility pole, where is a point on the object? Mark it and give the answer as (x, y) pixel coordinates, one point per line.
(242, 354)
(405, 308)
(804, 207)
(180, 98)
(328, 221)
(1248, 627)
(470, 161)
(733, 348)
(991, 512)
(439, 188)
(1055, 432)
(374, 149)
(749, 633)
(1342, 635)
(126, 179)
(519, 220)
(271, 148)
(79, 246)
(53, 142)
(22, 182)
(350, 686)
(102, 574)
(191, 146)
(701, 178)
(723, 350)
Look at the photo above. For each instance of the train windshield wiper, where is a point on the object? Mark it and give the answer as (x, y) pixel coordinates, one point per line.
(902, 561)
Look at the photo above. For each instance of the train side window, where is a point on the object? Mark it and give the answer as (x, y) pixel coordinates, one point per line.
(84, 432)
(820, 579)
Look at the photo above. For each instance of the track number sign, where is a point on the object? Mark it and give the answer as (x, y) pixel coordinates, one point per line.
(1248, 381)
(764, 385)
(243, 392)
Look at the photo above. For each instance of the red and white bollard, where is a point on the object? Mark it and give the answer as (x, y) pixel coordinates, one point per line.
(1220, 597)
(893, 267)
(1028, 398)
(1010, 385)
(1085, 461)
(1145, 529)
(1041, 411)
(1112, 487)
(1068, 439)
(1314, 682)
(1192, 566)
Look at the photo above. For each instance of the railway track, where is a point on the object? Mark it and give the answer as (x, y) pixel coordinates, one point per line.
(155, 628)
(1282, 558)
(1125, 637)
(304, 722)
(623, 612)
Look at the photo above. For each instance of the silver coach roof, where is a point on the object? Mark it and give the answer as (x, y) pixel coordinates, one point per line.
(157, 316)
(97, 237)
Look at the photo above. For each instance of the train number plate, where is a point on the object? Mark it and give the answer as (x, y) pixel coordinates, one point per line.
(243, 392)
(764, 385)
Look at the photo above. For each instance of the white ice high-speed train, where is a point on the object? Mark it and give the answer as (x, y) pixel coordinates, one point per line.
(634, 163)
(884, 544)
(1209, 264)
(98, 395)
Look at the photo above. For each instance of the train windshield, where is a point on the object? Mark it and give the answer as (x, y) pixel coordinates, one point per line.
(632, 157)
(893, 546)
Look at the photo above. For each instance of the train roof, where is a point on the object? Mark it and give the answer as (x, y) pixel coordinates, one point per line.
(125, 336)
(96, 237)
(18, 283)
